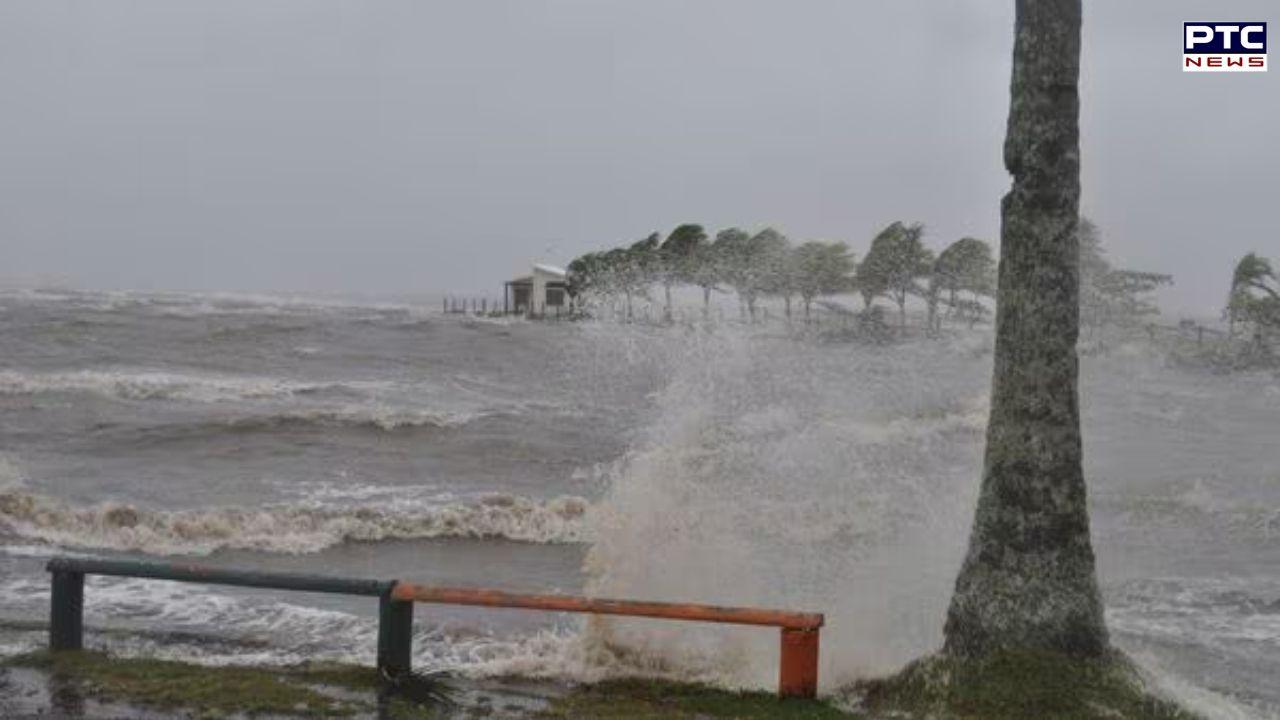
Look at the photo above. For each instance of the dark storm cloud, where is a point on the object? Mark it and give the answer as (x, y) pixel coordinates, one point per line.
(390, 147)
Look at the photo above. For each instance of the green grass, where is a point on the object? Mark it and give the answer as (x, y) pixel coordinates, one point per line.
(1009, 686)
(656, 699)
(212, 692)
(1017, 685)
(209, 691)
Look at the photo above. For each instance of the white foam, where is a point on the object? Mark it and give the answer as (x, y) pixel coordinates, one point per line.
(296, 528)
(152, 385)
(373, 415)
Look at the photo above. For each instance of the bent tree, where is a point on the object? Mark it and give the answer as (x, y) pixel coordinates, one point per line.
(1028, 581)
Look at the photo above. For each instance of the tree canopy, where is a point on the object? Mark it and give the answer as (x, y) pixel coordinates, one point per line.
(1252, 297)
(822, 269)
(1108, 295)
(957, 283)
(894, 266)
(965, 265)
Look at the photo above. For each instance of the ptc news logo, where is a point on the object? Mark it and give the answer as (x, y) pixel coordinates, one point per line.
(1224, 47)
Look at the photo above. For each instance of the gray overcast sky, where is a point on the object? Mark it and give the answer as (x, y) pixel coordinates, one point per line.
(385, 147)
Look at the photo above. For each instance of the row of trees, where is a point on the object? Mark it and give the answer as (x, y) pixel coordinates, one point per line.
(767, 264)
(897, 266)
(763, 264)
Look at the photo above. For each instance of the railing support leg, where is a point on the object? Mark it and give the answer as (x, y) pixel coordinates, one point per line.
(395, 636)
(798, 666)
(66, 611)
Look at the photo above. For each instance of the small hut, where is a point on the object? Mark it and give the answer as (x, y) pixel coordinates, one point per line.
(540, 292)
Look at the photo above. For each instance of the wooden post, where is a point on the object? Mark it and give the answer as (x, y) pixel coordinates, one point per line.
(395, 636)
(798, 664)
(66, 611)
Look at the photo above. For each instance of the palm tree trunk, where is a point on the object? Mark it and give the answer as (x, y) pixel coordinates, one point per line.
(1029, 580)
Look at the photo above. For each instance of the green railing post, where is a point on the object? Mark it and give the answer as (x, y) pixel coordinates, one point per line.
(395, 635)
(66, 611)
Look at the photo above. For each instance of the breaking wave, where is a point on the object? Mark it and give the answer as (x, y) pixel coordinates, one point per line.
(286, 528)
(265, 403)
(143, 385)
(199, 305)
(369, 417)
(356, 416)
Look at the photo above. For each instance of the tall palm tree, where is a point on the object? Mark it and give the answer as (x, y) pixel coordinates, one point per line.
(1029, 581)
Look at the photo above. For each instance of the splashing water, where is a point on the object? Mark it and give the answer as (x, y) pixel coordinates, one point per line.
(811, 481)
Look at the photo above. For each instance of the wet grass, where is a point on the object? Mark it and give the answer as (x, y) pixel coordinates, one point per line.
(1017, 685)
(1009, 686)
(657, 699)
(311, 690)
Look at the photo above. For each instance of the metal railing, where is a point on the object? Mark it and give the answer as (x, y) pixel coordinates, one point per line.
(798, 665)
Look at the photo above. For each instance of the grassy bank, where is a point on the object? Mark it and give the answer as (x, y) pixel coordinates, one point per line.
(333, 690)
(1018, 685)
(1012, 686)
(651, 700)
(213, 692)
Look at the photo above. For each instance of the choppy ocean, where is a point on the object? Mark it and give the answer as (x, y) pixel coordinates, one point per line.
(727, 463)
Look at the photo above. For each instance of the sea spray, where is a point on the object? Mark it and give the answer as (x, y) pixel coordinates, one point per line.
(814, 479)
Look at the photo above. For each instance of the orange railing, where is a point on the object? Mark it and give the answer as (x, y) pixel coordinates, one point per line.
(797, 667)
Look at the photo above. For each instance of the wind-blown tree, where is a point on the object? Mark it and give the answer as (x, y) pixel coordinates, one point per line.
(1029, 581)
(965, 265)
(768, 269)
(677, 256)
(585, 274)
(1126, 295)
(1264, 313)
(629, 271)
(1093, 258)
(822, 269)
(731, 252)
(753, 265)
(706, 270)
(1111, 296)
(785, 278)
(647, 254)
(1247, 280)
(894, 266)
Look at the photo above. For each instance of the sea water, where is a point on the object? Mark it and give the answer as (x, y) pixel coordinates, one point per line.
(722, 462)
